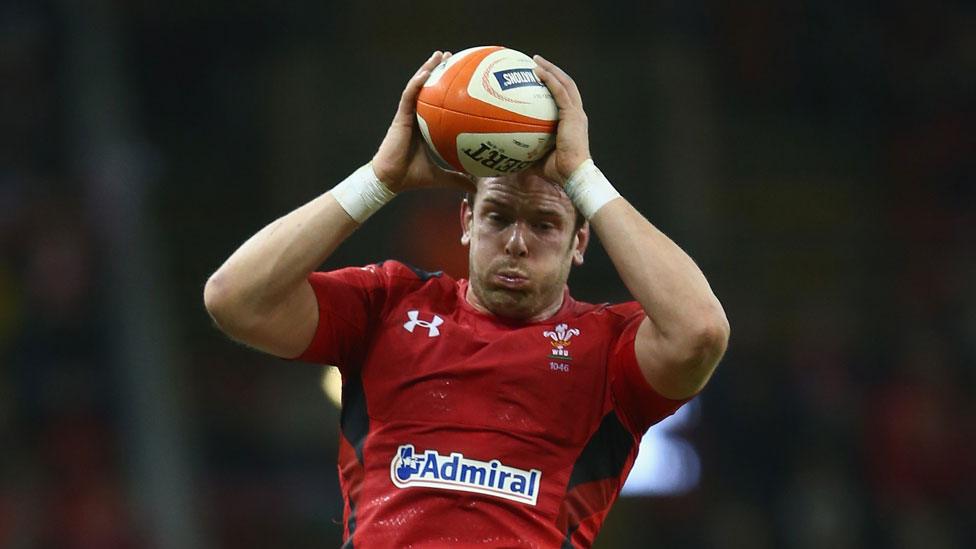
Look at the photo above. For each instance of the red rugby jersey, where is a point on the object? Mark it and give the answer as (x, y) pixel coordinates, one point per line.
(460, 429)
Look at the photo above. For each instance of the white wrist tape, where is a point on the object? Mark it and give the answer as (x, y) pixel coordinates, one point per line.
(589, 189)
(362, 193)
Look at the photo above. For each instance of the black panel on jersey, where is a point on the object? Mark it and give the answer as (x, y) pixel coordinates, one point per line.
(352, 524)
(354, 421)
(423, 275)
(568, 540)
(354, 418)
(605, 453)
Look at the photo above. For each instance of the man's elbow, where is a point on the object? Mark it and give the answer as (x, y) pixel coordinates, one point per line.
(702, 351)
(215, 295)
(223, 304)
(711, 338)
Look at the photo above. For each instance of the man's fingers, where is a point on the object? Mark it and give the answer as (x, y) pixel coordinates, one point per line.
(408, 99)
(417, 81)
(556, 71)
(563, 78)
(434, 60)
(559, 92)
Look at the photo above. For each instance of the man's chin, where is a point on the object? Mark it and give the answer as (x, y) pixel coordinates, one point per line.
(507, 303)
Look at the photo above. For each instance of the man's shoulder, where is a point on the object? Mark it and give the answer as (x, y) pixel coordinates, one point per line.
(402, 279)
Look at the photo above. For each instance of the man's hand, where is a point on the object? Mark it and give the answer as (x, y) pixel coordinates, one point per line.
(402, 161)
(572, 136)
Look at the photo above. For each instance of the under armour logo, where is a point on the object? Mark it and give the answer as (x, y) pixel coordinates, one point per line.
(415, 321)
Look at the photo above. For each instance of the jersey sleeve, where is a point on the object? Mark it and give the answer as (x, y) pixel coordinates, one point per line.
(349, 302)
(637, 403)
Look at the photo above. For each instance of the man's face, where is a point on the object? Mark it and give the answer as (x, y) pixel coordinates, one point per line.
(522, 242)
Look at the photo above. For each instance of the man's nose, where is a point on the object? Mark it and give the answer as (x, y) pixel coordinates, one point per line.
(515, 244)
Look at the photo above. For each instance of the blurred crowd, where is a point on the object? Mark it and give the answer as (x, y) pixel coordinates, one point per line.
(841, 237)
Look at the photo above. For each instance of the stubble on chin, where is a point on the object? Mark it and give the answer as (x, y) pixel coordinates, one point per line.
(501, 302)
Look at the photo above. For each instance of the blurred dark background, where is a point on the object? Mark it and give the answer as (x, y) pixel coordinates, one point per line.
(816, 158)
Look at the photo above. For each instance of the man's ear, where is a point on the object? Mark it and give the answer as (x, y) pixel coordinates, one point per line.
(467, 216)
(580, 241)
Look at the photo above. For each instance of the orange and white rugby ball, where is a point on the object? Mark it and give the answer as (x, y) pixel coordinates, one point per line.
(485, 112)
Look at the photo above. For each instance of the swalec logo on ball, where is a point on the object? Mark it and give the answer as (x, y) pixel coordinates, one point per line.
(516, 78)
(456, 472)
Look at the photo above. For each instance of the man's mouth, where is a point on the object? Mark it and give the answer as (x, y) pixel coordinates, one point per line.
(510, 279)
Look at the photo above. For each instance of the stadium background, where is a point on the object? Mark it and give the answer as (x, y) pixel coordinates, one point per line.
(816, 158)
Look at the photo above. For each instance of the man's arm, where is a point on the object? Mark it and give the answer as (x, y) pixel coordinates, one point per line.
(686, 331)
(260, 296)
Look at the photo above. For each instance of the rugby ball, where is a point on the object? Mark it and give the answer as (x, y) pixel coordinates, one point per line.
(485, 112)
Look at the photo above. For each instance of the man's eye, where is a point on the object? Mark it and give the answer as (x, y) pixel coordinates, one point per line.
(544, 226)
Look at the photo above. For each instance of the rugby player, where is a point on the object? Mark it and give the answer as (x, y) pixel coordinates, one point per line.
(496, 410)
